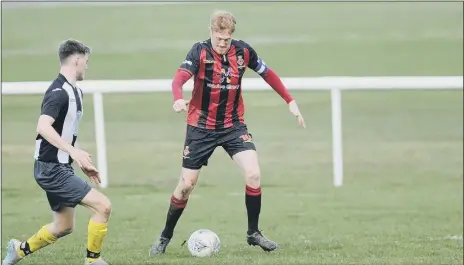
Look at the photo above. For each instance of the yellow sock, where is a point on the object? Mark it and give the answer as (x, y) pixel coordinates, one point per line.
(41, 239)
(96, 234)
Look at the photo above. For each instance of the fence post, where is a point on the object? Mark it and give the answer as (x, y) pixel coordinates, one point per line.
(100, 138)
(337, 150)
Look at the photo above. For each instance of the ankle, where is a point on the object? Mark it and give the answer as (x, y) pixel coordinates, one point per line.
(167, 233)
(92, 256)
(252, 231)
(21, 251)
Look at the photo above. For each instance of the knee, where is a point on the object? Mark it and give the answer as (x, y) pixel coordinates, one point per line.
(104, 208)
(188, 184)
(253, 178)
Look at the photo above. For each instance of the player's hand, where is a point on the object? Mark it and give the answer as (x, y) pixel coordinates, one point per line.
(81, 157)
(181, 105)
(296, 112)
(93, 174)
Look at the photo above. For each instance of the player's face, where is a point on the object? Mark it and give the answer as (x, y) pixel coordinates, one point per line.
(81, 65)
(221, 41)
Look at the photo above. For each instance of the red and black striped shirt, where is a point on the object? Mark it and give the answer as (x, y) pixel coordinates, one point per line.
(217, 101)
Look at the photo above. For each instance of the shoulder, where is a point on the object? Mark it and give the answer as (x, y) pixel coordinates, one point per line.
(195, 51)
(198, 46)
(204, 44)
(56, 91)
(241, 44)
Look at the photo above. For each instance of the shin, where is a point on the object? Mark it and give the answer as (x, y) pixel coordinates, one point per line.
(100, 205)
(247, 161)
(179, 198)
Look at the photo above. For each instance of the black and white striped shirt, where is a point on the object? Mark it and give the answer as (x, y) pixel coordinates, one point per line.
(63, 102)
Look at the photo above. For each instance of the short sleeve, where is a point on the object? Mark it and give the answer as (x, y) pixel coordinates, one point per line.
(54, 100)
(192, 60)
(255, 63)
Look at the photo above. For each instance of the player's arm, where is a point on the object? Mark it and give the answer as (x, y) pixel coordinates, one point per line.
(271, 77)
(76, 143)
(187, 69)
(54, 101)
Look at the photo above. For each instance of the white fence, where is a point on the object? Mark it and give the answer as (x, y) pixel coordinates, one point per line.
(334, 84)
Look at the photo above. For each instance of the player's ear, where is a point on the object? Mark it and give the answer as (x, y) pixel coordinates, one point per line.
(76, 60)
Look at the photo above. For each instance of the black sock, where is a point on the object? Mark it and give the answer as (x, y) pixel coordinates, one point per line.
(253, 205)
(175, 211)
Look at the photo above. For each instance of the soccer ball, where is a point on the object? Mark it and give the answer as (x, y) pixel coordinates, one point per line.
(203, 243)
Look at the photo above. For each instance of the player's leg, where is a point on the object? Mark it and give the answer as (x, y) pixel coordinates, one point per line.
(69, 190)
(240, 147)
(179, 199)
(247, 162)
(97, 227)
(178, 202)
(62, 225)
(54, 179)
(199, 146)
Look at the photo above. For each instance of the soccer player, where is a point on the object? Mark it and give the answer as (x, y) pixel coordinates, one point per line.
(55, 150)
(216, 118)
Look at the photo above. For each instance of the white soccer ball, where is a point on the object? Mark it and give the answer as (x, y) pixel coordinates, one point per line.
(203, 243)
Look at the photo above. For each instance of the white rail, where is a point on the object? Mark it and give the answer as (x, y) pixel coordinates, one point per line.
(334, 84)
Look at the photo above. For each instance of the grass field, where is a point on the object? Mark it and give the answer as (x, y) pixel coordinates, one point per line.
(401, 202)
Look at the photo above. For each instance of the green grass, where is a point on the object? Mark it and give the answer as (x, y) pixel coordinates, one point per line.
(402, 197)
(300, 39)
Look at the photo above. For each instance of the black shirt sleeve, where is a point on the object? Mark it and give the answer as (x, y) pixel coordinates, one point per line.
(255, 63)
(192, 60)
(54, 100)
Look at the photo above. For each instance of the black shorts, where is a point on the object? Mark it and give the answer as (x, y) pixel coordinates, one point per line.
(62, 186)
(200, 144)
